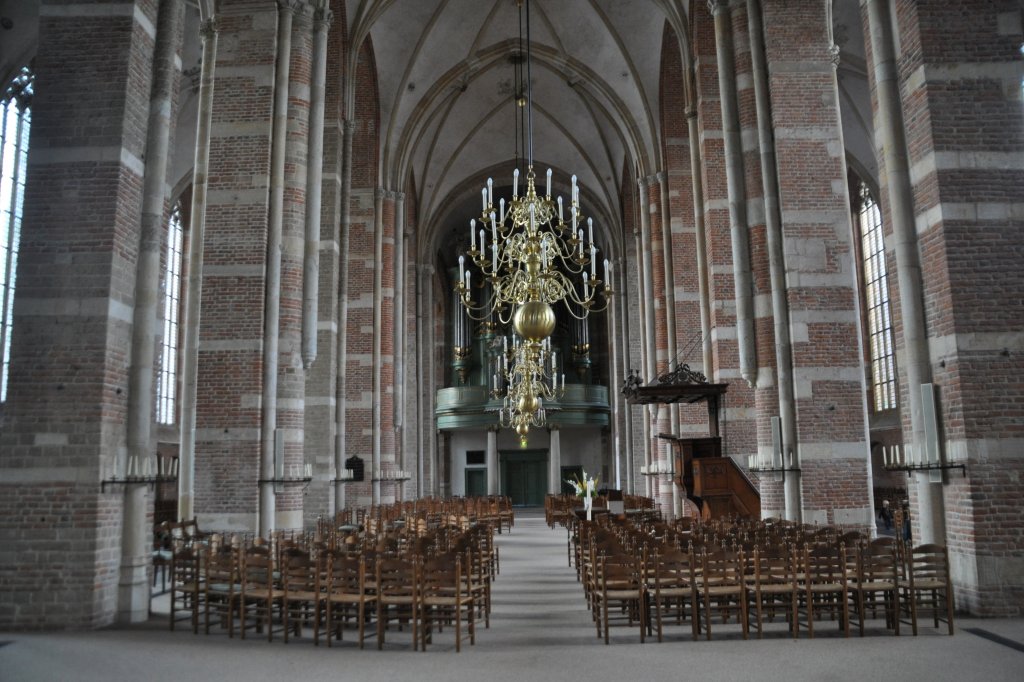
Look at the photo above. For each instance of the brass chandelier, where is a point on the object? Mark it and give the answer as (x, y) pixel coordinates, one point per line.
(529, 257)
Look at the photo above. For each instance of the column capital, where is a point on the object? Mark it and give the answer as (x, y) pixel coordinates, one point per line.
(834, 52)
(380, 193)
(208, 28)
(291, 6)
(493, 428)
(643, 182)
(660, 177)
(716, 7)
(322, 18)
(348, 127)
(691, 112)
(553, 428)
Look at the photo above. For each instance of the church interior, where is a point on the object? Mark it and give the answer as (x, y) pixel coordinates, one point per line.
(269, 262)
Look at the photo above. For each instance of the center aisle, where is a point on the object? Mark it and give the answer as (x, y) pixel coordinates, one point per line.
(536, 600)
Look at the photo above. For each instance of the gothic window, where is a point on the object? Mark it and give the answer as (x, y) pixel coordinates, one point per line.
(167, 381)
(15, 120)
(878, 311)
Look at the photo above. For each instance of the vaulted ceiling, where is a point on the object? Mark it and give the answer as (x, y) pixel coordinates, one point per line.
(446, 74)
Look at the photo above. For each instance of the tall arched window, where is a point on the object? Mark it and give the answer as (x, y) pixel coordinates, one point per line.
(876, 296)
(167, 382)
(15, 120)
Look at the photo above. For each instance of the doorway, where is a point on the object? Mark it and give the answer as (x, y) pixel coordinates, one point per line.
(524, 476)
(476, 482)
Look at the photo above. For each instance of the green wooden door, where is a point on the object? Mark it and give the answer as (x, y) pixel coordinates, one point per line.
(476, 482)
(525, 476)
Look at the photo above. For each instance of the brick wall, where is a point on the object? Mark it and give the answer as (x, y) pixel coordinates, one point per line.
(229, 393)
(66, 407)
(960, 77)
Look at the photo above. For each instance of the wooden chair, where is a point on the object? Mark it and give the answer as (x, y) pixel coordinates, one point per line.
(478, 577)
(928, 588)
(877, 576)
(301, 598)
(671, 590)
(619, 581)
(825, 585)
(774, 586)
(445, 595)
(397, 586)
(347, 596)
(186, 586)
(723, 588)
(258, 595)
(221, 589)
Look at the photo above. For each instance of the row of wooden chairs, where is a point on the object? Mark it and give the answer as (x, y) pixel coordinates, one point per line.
(656, 581)
(261, 587)
(493, 510)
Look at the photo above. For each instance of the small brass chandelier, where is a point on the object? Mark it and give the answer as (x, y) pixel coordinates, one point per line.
(530, 257)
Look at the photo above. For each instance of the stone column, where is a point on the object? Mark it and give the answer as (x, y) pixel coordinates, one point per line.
(398, 363)
(555, 461)
(272, 291)
(341, 404)
(916, 360)
(376, 421)
(776, 256)
(135, 542)
(736, 185)
(194, 290)
(314, 180)
(492, 461)
(701, 244)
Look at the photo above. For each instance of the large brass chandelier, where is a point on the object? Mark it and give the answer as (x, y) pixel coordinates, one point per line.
(530, 257)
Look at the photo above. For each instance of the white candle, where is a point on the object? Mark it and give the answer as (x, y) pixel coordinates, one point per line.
(573, 196)
(560, 221)
(549, 183)
(481, 240)
(515, 182)
(483, 199)
(462, 268)
(581, 242)
(502, 205)
(593, 261)
(472, 233)
(467, 280)
(607, 281)
(490, 193)
(590, 230)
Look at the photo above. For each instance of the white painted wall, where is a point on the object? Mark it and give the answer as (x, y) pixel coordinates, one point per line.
(580, 446)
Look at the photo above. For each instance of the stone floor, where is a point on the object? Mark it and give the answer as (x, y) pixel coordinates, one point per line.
(540, 630)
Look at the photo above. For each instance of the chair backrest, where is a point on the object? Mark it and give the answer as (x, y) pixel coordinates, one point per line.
(775, 565)
(825, 564)
(396, 577)
(346, 574)
(671, 568)
(928, 562)
(299, 573)
(722, 568)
